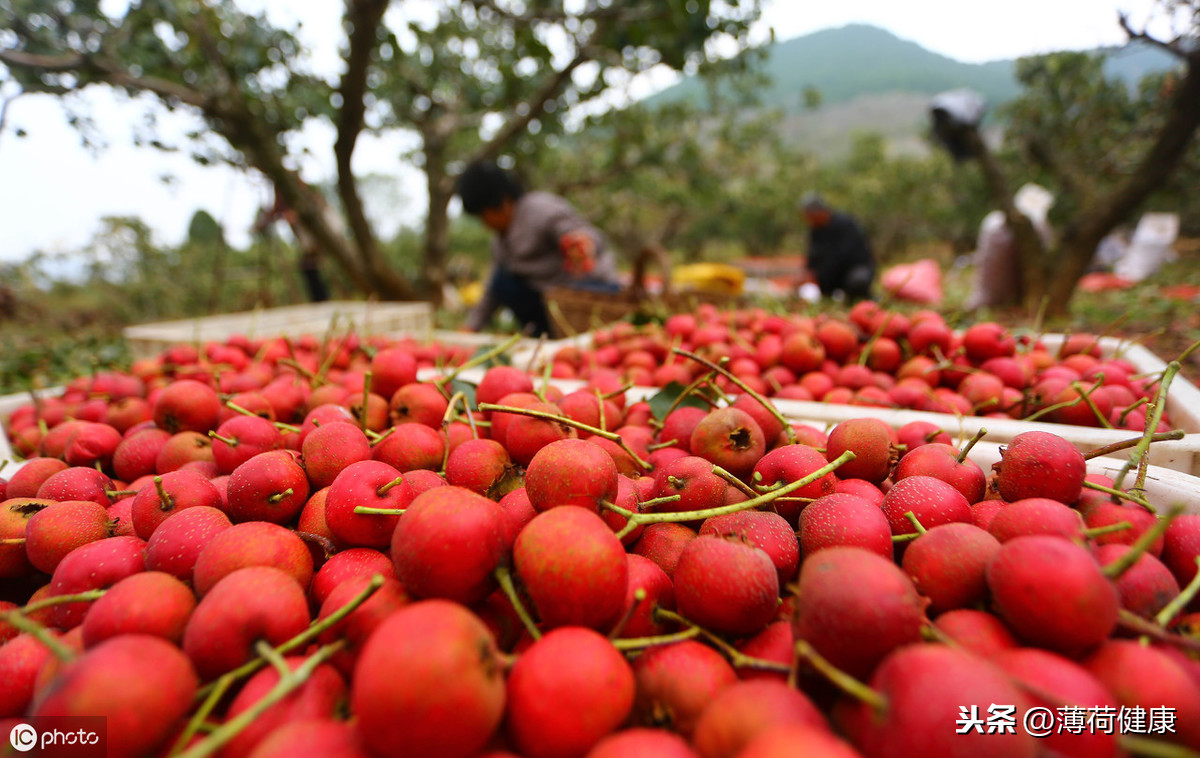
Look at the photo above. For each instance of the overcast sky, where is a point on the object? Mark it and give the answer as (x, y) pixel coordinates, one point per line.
(53, 192)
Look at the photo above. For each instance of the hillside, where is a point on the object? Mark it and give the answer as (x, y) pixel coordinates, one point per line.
(871, 80)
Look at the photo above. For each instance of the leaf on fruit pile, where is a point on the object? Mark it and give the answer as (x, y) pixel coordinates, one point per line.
(661, 402)
(498, 360)
(466, 388)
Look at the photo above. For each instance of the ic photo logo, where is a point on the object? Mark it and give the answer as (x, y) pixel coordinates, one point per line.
(23, 738)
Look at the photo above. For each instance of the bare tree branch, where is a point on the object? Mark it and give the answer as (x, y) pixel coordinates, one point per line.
(1174, 47)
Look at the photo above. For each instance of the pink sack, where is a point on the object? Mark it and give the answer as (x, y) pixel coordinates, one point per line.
(917, 282)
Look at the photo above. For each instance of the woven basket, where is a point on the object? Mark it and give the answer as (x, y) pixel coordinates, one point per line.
(574, 311)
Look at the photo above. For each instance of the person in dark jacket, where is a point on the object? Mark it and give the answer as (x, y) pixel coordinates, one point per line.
(541, 241)
(839, 255)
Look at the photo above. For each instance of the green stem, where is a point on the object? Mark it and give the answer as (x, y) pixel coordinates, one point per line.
(1116, 447)
(838, 678)
(912, 517)
(316, 629)
(288, 683)
(504, 576)
(366, 402)
(231, 441)
(81, 597)
(364, 510)
(1122, 494)
(198, 720)
(731, 479)
(40, 633)
(481, 359)
(567, 421)
(639, 597)
(165, 501)
(1145, 747)
(765, 403)
(655, 502)
(383, 490)
(1141, 453)
(1100, 531)
(638, 643)
(737, 658)
(696, 384)
(1118, 567)
(279, 496)
(656, 518)
(970, 444)
(1087, 398)
(1180, 601)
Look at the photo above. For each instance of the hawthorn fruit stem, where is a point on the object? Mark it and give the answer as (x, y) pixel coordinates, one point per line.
(567, 421)
(639, 597)
(13, 541)
(504, 576)
(80, 597)
(1118, 567)
(653, 518)
(912, 517)
(316, 629)
(1116, 493)
(655, 502)
(738, 483)
(838, 678)
(688, 390)
(1180, 601)
(737, 658)
(640, 643)
(1146, 747)
(289, 681)
(1087, 398)
(165, 501)
(364, 510)
(278, 496)
(765, 403)
(1115, 447)
(40, 633)
(1134, 623)
(480, 359)
(231, 441)
(383, 490)
(366, 401)
(1100, 531)
(970, 444)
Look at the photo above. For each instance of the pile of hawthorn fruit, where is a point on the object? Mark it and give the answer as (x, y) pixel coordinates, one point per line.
(876, 357)
(277, 549)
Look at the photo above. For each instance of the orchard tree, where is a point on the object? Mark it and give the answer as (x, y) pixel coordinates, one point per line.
(1103, 149)
(473, 79)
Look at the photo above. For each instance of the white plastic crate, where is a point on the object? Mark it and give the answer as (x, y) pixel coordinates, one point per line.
(318, 319)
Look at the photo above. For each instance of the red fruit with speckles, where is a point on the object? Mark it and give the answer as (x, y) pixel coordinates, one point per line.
(948, 564)
(743, 711)
(726, 585)
(53, 532)
(571, 472)
(855, 608)
(871, 442)
(186, 405)
(731, 439)
(573, 567)
(451, 697)
(177, 543)
(448, 545)
(676, 682)
(566, 692)
(254, 543)
(1040, 464)
(1052, 593)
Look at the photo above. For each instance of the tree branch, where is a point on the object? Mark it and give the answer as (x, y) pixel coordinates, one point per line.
(364, 17)
(535, 105)
(1174, 47)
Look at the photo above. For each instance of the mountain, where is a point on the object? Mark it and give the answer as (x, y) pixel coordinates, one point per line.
(869, 79)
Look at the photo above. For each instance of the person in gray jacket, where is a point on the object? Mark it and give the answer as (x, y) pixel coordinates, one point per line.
(541, 241)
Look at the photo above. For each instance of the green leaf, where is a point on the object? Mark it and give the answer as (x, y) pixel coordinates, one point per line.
(499, 360)
(468, 389)
(662, 401)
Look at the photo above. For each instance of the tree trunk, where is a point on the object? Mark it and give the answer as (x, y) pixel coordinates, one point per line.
(437, 224)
